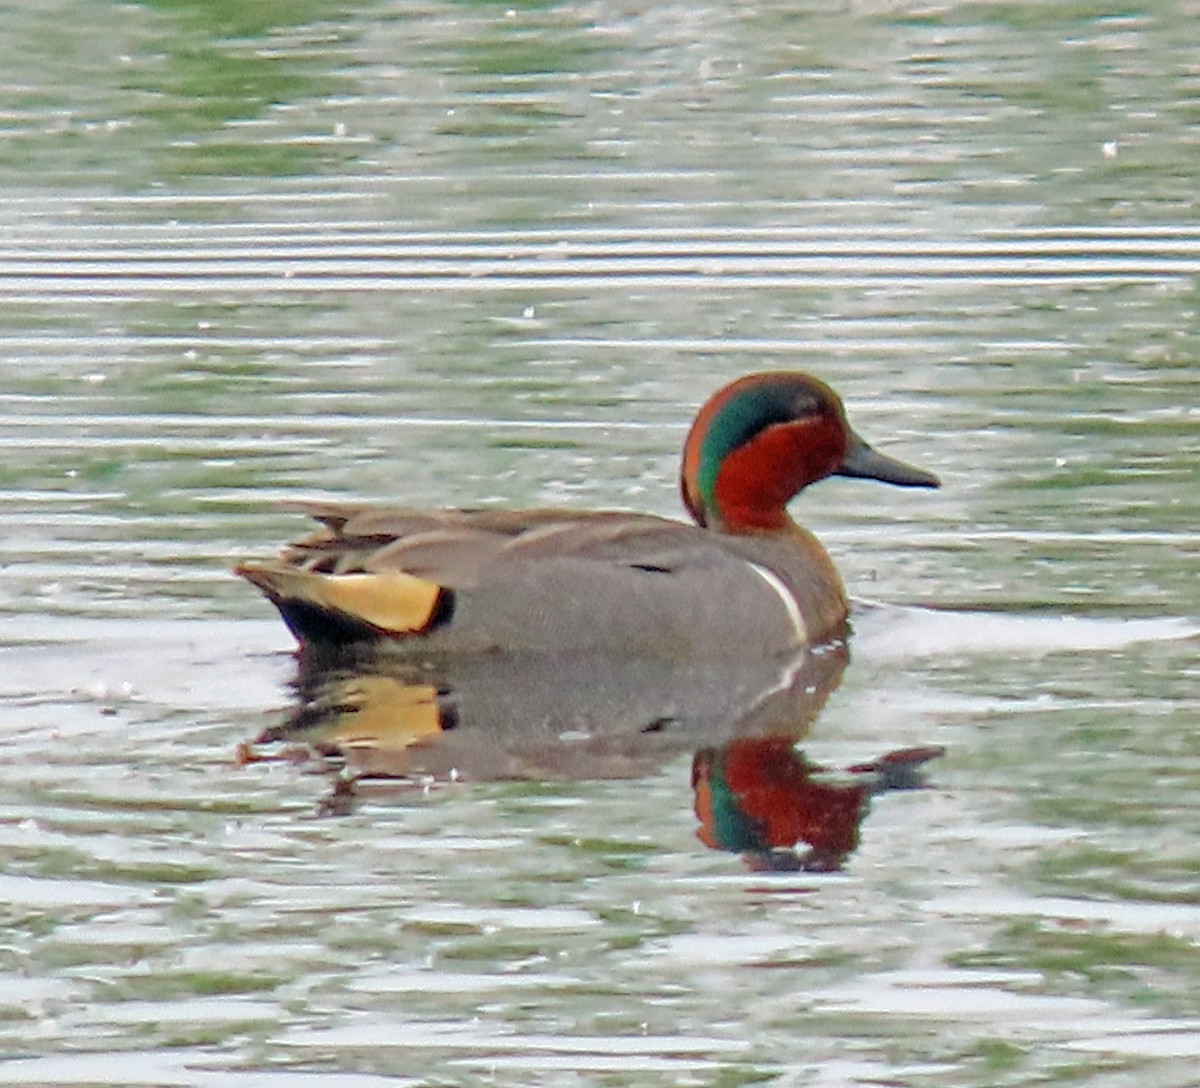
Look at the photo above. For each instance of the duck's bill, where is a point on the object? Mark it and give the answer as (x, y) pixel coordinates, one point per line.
(864, 463)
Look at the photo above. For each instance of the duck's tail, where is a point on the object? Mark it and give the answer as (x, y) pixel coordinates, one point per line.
(341, 608)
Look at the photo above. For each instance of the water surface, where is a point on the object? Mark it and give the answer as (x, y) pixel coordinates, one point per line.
(489, 253)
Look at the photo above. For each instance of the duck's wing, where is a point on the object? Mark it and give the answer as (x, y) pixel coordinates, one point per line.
(450, 545)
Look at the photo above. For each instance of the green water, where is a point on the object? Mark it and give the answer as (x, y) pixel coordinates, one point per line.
(474, 253)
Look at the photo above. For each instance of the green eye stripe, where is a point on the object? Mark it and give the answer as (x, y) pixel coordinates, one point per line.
(735, 424)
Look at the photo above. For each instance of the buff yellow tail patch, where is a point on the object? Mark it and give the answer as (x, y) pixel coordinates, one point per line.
(393, 602)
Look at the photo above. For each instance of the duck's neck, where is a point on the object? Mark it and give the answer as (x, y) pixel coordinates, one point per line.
(749, 519)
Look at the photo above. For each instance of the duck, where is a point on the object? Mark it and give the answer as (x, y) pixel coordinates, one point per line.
(739, 579)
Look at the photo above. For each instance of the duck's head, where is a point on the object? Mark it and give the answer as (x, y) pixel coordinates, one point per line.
(761, 440)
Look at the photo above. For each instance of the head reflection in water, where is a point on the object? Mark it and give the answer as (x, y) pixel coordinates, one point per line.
(760, 797)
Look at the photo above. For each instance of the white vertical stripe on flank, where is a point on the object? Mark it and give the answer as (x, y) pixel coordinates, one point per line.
(799, 627)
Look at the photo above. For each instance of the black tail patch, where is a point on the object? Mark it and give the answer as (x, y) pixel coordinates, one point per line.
(311, 623)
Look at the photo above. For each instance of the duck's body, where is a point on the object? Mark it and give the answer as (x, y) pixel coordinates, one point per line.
(745, 580)
(546, 580)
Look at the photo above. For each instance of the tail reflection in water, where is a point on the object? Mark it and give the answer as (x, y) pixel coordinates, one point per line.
(380, 718)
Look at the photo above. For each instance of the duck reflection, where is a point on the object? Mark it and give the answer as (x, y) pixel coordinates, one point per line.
(760, 797)
(378, 718)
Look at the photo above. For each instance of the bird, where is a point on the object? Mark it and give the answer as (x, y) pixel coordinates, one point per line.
(740, 580)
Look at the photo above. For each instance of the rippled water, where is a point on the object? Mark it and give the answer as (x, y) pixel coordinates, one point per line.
(498, 254)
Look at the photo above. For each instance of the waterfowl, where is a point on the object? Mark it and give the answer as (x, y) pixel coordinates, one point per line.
(742, 580)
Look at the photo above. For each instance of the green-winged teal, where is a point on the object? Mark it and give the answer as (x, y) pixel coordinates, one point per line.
(744, 579)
